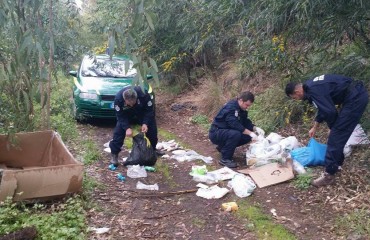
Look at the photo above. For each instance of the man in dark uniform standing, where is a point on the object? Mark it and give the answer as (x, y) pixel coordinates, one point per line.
(325, 92)
(232, 128)
(133, 106)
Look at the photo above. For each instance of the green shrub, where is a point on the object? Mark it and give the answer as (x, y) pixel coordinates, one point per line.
(64, 221)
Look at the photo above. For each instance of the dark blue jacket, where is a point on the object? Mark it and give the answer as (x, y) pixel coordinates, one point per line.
(231, 116)
(143, 110)
(324, 92)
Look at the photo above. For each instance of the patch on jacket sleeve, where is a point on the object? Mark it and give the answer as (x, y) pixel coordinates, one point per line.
(117, 108)
(236, 113)
(150, 103)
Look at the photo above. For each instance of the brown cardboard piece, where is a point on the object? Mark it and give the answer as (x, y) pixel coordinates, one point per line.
(270, 174)
(37, 165)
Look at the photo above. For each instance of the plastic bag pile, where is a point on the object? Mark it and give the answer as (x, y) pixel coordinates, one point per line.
(269, 149)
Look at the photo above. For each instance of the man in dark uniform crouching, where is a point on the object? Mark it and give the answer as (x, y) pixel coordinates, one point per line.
(232, 128)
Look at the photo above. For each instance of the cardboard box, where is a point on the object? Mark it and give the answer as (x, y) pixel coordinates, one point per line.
(270, 174)
(37, 165)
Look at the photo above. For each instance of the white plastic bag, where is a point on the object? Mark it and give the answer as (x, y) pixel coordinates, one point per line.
(274, 138)
(153, 187)
(136, 171)
(357, 137)
(289, 143)
(214, 192)
(242, 185)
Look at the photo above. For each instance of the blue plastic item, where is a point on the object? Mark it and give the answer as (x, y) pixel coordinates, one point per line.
(319, 152)
(121, 177)
(112, 167)
(312, 155)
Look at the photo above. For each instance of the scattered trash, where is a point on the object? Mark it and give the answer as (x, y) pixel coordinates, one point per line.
(183, 155)
(273, 211)
(209, 178)
(213, 192)
(99, 230)
(224, 173)
(230, 206)
(106, 145)
(136, 171)
(121, 177)
(141, 185)
(150, 169)
(242, 185)
(270, 149)
(198, 170)
(167, 146)
(112, 167)
(107, 150)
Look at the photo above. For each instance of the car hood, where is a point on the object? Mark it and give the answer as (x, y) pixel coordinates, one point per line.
(105, 86)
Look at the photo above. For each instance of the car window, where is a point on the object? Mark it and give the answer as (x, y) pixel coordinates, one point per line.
(97, 67)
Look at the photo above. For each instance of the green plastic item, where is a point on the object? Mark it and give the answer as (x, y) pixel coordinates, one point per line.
(149, 169)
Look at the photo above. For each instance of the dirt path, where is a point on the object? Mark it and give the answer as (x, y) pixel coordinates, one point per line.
(129, 215)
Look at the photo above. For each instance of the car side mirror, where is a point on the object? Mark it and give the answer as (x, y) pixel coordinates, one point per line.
(73, 73)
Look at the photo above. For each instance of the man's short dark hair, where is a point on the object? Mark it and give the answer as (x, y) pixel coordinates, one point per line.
(290, 88)
(129, 95)
(246, 96)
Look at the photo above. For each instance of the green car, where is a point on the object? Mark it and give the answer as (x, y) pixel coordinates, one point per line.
(96, 83)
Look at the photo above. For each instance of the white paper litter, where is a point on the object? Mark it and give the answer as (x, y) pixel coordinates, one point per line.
(190, 155)
(136, 171)
(106, 145)
(214, 192)
(223, 173)
(153, 187)
(99, 230)
(107, 149)
(167, 146)
(209, 178)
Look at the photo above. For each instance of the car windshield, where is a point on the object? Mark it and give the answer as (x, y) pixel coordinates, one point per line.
(104, 67)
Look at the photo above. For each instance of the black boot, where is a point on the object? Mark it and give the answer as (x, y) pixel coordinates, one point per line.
(114, 159)
(228, 163)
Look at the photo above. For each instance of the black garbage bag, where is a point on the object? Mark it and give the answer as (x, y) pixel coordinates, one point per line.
(142, 152)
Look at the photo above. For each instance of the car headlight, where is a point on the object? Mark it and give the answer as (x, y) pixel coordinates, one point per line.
(85, 95)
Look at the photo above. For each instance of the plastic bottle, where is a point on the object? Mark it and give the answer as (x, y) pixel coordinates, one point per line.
(121, 177)
(149, 169)
(298, 167)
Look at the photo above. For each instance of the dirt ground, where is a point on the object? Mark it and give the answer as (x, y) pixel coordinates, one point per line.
(308, 214)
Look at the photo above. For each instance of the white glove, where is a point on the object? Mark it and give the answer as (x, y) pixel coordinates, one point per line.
(260, 131)
(253, 136)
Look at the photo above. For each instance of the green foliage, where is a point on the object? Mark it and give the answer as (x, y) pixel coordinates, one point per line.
(357, 222)
(90, 152)
(262, 224)
(64, 221)
(201, 120)
(303, 181)
(273, 109)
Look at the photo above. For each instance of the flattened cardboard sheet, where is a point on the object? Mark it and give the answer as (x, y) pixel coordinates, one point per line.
(270, 174)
